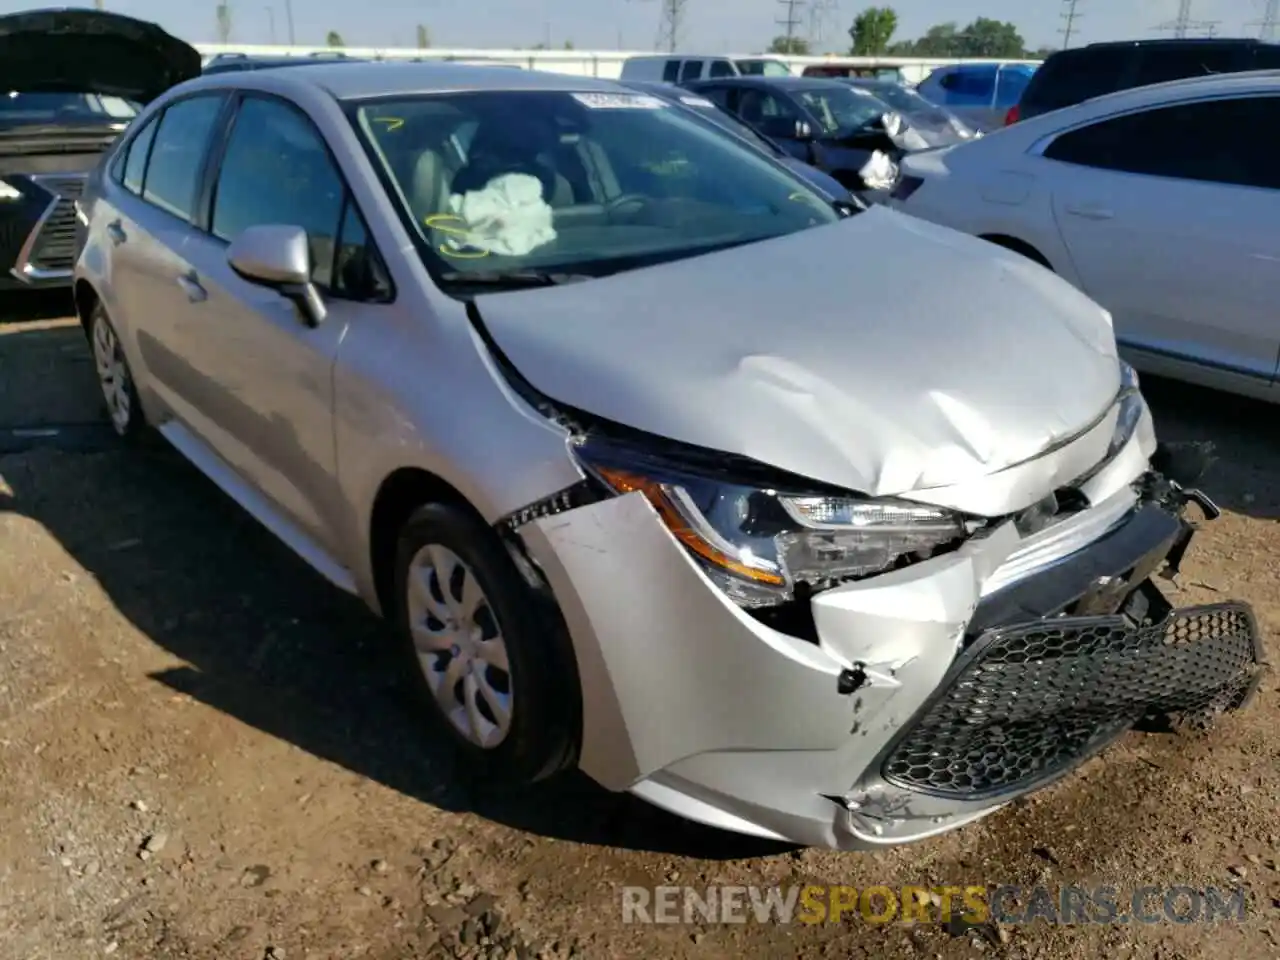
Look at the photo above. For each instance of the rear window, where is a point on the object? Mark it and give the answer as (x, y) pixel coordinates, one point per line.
(1072, 77)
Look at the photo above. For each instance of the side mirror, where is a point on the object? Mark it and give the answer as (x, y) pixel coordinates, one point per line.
(279, 256)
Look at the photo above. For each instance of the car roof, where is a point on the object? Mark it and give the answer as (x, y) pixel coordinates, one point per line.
(1171, 42)
(347, 80)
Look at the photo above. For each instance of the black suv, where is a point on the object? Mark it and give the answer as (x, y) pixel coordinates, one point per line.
(1072, 76)
(73, 79)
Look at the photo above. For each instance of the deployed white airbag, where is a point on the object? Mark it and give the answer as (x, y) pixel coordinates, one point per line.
(507, 216)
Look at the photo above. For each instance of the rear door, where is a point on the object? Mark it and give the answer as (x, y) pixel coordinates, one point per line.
(1172, 219)
(150, 271)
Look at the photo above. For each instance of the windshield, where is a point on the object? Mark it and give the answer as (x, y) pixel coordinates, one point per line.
(18, 107)
(728, 121)
(587, 183)
(762, 68)
(839, 110)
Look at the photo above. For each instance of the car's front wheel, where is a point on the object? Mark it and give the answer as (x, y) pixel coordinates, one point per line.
(115, 380)
(487, 658)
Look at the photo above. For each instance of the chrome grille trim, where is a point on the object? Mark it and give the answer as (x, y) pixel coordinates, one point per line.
(48, 253)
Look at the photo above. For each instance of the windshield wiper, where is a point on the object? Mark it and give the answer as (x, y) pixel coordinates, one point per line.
(512, 279)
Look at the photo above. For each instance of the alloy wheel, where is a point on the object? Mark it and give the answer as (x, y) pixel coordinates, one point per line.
(460, 646)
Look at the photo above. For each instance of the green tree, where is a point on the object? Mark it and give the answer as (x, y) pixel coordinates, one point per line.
(983, 37)
(872, 30)
(793, 46)
(334, 39)
(424, 37)
(568, 44)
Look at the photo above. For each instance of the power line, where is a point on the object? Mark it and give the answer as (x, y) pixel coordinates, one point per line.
(1069, 17)
(1183, 24)
(1269, 22)
(791, 20)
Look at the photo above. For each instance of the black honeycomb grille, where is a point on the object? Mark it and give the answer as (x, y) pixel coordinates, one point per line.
(1026, 703)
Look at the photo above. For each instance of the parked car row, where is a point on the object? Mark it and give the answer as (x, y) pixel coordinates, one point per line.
(614, 412)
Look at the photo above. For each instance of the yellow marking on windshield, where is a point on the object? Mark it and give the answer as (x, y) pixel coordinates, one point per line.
(393, 123)
(449, 224)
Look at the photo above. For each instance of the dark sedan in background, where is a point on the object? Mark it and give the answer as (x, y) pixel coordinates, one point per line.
(818, 121)
(72, 81)
(705, 108)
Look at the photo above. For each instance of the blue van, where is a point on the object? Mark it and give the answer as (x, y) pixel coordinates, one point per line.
(980, 93)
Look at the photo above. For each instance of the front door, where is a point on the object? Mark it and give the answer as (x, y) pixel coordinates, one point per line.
(268, 412)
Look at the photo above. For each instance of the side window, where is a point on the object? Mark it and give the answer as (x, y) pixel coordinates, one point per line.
(1161, 64)
(178, 152)
(276, 170)
(721, 68)
(1010, 85)
(971, 87)
(720, 96)
(1183, 142)
(358, 271)
(691, 70)
(135, 161)
(671, 71)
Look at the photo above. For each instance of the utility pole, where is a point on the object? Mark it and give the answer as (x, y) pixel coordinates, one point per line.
(271, 24)
(791, 20)
(288, 16)
(224, 23)
(1069, 17)
(820, 12)
(669, 25)
(1269, 22)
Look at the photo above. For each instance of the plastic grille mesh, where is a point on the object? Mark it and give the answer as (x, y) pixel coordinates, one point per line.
(1025, 703)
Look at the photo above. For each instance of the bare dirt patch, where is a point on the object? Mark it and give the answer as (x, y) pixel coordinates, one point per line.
(204, 752)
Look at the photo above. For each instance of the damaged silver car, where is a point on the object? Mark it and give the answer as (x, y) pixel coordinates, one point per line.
(797, 520)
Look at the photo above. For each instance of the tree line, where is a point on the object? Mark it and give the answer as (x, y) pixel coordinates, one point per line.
(872, 34)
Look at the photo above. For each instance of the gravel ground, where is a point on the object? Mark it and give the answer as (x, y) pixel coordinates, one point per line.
(204, 751)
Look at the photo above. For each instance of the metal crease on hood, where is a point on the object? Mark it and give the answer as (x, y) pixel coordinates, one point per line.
(881, 353)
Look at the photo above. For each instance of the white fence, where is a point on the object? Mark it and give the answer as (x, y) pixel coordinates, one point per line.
(590, 63)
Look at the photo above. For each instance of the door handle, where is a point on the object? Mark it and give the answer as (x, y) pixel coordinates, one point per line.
(116, 232)
(1089, 211)
(190, 283)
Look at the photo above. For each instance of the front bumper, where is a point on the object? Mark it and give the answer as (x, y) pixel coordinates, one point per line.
(933, 694)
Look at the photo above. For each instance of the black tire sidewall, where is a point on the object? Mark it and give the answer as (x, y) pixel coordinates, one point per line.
(544, 685)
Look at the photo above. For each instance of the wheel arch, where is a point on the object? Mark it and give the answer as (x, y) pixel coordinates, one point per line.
(400, 493)
(85, 298)
(1015, 245)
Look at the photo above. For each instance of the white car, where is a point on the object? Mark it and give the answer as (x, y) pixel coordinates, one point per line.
(1161, 203)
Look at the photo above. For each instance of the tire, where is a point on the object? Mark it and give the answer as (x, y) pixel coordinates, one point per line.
(115, 379)
(539, 686)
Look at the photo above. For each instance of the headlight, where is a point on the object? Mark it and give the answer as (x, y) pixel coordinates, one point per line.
(759, 544)
(9, 192)
(1131, 407)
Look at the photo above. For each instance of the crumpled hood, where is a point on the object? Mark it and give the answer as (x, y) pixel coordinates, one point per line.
(91, 51)
(881, 353)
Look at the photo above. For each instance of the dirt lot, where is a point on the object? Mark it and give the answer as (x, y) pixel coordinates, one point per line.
(204, 752)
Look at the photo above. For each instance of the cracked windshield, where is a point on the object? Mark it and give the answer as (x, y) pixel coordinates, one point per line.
(583, 181)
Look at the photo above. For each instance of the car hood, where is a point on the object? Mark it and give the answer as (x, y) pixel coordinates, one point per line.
(91, 51)
(880, 353)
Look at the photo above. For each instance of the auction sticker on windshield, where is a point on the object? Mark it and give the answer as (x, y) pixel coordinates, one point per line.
(618, 101)
(697, 102)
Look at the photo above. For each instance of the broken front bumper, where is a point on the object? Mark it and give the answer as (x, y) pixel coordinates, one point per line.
(931, 695)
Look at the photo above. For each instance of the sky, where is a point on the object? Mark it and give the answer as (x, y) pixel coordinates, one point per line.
(708, 25)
